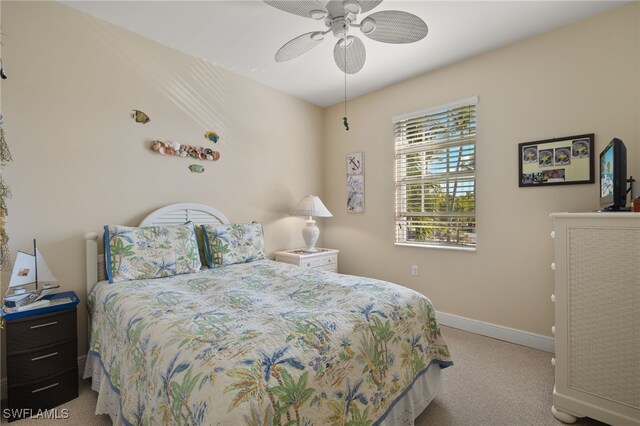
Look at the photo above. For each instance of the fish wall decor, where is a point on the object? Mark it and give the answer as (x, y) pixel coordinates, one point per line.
(212, 136)
(140, 116)
(196, 168)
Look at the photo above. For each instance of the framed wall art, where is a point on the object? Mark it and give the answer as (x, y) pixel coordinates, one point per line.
(355, 182)
(560, 161)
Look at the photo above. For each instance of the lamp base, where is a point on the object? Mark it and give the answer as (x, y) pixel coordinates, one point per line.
(310, 234)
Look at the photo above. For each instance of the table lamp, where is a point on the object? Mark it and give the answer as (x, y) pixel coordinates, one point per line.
(311, 205)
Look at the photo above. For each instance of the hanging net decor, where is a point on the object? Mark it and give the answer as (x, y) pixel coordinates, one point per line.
(5, 154)
(5, 157)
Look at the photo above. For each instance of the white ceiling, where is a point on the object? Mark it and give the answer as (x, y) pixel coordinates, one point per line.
(243, 37)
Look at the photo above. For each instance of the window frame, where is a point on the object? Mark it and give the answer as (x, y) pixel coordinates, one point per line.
(400, 170)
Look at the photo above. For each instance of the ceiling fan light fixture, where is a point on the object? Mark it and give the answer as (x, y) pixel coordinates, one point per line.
(352, 6)
(387, 26)
(367, 26)
(346, 42)
(318, 14)
(340, 27)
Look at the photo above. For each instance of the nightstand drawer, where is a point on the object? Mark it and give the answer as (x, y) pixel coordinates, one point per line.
(324, 259)
(328, 268)
(45, 393)
(317, 262)
(41, 330)
(42, 362)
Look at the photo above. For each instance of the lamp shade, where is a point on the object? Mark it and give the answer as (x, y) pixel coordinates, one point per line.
(311, 205)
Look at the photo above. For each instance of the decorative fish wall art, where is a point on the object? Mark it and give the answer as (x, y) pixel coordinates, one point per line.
(212, 136)
(140, 116)
(182, 150)
(196, 168)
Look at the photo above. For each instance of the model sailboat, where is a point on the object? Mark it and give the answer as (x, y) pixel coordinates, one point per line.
(29, 269)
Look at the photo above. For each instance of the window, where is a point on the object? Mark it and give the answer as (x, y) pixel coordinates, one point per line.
(435, 167)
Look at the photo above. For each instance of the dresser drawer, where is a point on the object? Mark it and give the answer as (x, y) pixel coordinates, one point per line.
(41, 330)
(39, 363)
(46, 393)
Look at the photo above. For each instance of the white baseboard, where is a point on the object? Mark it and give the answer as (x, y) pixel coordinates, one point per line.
(82, 360)
(3, 383)
(512, 335)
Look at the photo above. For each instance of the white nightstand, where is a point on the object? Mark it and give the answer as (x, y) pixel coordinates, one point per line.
(324, 259)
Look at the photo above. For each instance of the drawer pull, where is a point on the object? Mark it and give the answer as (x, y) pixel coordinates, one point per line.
(38, 358)
(553, 234)
(553, 266)
(553, 297)
(553, 362)
(44, 325)
(553, 330)
(45, 388)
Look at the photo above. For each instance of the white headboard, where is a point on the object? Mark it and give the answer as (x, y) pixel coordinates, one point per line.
(173, 214)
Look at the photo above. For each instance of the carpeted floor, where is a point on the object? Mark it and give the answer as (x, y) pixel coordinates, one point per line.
(492, 383)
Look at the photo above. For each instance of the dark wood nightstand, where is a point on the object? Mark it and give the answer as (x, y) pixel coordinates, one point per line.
(42, 362)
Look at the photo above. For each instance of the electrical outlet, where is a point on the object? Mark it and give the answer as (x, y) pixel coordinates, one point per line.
(414, 270)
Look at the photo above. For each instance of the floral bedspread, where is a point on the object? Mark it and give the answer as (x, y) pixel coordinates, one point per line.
(262, 343)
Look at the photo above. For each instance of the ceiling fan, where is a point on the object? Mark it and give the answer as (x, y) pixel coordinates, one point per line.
(389, 26)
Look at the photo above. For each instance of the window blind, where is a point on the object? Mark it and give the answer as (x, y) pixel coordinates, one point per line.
(435, 183)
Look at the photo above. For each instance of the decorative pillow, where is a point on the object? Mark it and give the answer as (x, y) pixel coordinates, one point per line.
(227, 244)
(150, 252)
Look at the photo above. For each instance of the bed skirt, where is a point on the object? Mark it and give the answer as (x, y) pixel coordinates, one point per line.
(404, 411)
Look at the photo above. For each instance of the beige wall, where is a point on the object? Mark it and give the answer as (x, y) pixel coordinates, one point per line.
(80, 161)
(583, 78)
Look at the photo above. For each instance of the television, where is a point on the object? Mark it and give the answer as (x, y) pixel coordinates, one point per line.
(613, 176)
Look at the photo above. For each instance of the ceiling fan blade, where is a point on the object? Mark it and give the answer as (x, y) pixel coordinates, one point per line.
(306, 8)
(394, 26)
(299, 45)
(350, 59)
(367, 5)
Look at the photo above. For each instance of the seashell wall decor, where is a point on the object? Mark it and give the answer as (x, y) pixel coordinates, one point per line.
(180, 150)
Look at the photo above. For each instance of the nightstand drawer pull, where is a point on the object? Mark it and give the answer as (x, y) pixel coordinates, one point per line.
(38, 358)
(44, 325)
(45, 388)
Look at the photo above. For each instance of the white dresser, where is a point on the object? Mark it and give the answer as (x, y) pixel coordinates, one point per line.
(325, 259)
(597, 311)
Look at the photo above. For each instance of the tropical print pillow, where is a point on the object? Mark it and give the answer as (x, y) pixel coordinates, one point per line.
(150, 252)
(227, 244)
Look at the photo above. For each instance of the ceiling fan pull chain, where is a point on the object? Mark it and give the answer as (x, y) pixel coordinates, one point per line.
(344, 119)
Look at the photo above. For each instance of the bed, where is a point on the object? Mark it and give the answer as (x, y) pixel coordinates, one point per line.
(259, 342)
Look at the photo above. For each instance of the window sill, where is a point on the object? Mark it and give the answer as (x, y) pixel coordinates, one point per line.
(435, 246)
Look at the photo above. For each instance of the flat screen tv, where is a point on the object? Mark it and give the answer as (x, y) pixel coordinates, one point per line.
(613, 176)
